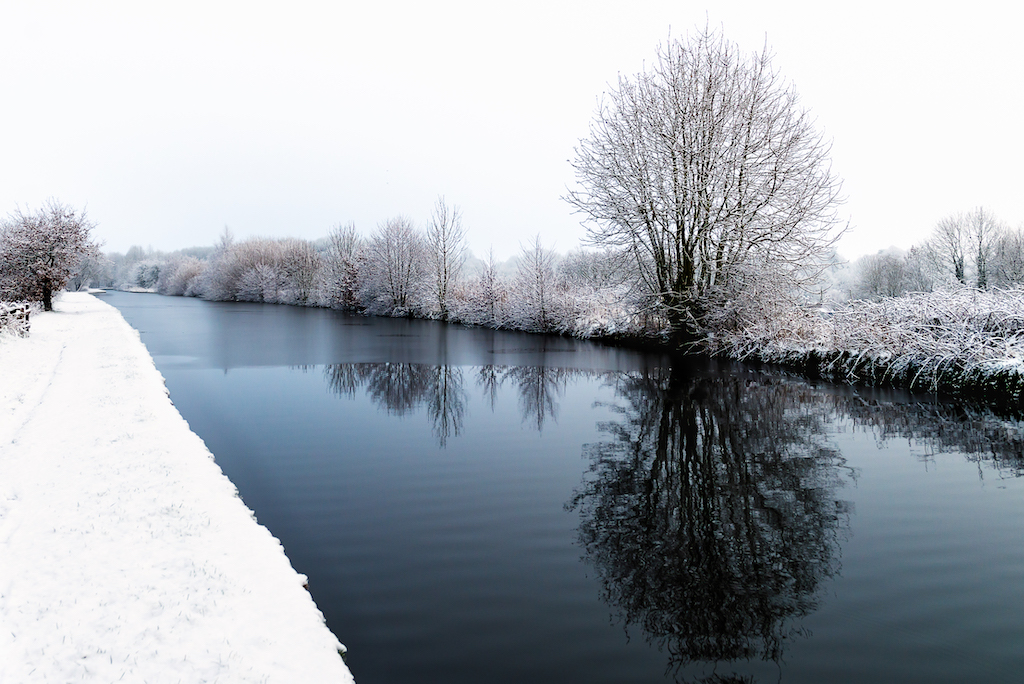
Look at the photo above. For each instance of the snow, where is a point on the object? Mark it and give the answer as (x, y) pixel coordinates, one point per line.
(125, 553)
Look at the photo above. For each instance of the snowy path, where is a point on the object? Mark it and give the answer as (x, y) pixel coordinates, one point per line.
(125, 553)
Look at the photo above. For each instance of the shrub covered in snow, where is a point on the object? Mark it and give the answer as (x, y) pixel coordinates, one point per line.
(181, 276)
(14, 318)
(956, 340)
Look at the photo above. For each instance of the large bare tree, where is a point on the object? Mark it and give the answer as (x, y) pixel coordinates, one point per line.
(708, 171)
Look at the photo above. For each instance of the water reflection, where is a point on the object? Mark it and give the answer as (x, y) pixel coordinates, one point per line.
(942, 427)
(539, 389)
(938, 427)
(711, 512)
(401, 388)
(712, 508)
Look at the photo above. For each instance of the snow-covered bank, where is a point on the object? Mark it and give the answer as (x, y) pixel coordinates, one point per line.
(125, 553)
(963, 342)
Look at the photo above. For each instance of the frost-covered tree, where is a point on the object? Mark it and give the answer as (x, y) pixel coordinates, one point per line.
(534, 289)
(301, 268)
(948, 247)
(702, 168)
(93, 268)
(40, 251)
(287, 271)
(146, 274)
(258, 277)
(892, 274)
(983, 231)
(220, 276)
(395, 269)
(486, 297)
(966, 240)
(595, 269)
(341, 270)
(1008, 259)
(917, 274)
(446, 252)
(881, 275)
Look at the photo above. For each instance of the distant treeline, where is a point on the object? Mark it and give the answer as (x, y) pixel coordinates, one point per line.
(401, 271)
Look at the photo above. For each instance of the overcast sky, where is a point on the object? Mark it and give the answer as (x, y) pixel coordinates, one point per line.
(172, 120)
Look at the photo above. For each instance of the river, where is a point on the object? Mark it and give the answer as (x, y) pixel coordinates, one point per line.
(472, 505)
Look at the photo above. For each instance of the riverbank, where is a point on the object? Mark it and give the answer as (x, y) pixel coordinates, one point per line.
(125, 553)
(964, 343)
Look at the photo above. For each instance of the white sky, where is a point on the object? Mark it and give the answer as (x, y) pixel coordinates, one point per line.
(170, 120)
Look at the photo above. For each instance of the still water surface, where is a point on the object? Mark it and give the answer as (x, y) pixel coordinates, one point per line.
(472, 505)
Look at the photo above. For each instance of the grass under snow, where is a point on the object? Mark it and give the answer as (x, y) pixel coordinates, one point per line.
(962, 341)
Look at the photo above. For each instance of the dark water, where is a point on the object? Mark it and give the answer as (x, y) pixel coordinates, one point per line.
(477, 506)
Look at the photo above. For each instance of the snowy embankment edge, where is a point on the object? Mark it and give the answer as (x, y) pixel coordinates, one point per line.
(125, 553)
(964, 343)
(1000, 384)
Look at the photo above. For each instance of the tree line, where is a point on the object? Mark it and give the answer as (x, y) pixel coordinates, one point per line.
(972, 249)
(400, 270)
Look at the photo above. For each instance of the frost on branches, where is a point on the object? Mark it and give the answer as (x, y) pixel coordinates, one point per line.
(39, 252)
(701, 168)
(964, 341)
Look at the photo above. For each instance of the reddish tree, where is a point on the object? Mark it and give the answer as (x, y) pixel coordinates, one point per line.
(39, 251)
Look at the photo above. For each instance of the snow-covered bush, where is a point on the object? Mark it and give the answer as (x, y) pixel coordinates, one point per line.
(14, 318)
(146, 274)
(947, 340)
(285, 271)
(181, 276)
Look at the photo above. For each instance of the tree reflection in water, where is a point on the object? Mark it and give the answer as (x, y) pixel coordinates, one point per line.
(446, 401)
(539, 389)
(401, 388)
(711, 512)
(942, 427)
